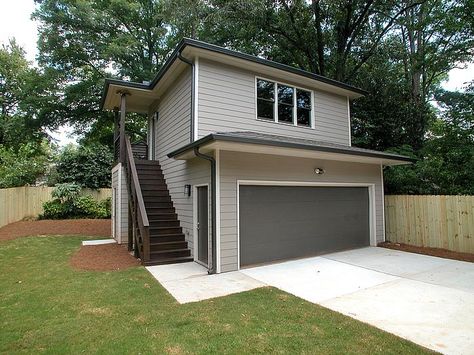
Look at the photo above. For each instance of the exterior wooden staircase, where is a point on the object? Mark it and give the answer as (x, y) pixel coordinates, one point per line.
(167, 242)
(154, 231)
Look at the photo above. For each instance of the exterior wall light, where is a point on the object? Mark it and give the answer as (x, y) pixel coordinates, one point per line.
(187, 190)
(319, 171)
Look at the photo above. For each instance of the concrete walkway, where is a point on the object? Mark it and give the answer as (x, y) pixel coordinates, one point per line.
(425, 299)
(190, 282)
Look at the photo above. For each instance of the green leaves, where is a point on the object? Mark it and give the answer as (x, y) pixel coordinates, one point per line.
(86, 166)
(69, 203)
(24, 165)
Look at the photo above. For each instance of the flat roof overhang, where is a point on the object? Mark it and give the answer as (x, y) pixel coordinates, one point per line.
(214, 142)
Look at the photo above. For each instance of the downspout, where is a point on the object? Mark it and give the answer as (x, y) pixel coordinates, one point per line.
(193, 79)
(211, 159)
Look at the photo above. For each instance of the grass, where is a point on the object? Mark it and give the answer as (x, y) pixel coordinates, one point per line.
(46, 306)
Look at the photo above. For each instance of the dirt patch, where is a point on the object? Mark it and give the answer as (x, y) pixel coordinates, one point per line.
(442, 253)
(87, 227)
(106, 257)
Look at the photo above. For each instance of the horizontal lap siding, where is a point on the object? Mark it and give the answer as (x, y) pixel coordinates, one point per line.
(122, 205)
(173, 132)
(227, 103)
(245, 166)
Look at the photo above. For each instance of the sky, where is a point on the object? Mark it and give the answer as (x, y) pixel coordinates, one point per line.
(15, 21)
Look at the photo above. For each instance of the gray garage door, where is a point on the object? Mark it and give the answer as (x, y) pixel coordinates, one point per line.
(284, 222)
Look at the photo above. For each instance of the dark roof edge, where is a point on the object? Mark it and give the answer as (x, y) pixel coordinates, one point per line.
(149, 86)
(327, 149)
(214, 48)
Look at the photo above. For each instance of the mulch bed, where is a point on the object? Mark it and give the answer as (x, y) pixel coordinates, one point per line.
(86, 227)
(442, 253)
(107, 257)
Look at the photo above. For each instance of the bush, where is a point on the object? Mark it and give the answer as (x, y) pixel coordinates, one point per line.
(68, 203)
(85, 166)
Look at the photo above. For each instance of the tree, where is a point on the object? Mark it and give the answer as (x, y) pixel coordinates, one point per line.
(17, 85)
(87, 166)
(446, 164)
(23, 165)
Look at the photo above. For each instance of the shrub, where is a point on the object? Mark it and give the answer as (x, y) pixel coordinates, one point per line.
(54, 210)
(85, 166)
(68, 203)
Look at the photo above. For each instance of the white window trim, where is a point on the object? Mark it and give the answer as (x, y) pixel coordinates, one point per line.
(196, 99)
(195, 227)
(275, 104)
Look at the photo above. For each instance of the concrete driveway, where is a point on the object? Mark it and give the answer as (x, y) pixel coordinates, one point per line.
(425, 299)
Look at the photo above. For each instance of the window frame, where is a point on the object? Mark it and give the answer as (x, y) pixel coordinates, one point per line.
(275, 104)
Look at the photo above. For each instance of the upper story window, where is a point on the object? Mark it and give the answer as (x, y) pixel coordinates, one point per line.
(284, 103)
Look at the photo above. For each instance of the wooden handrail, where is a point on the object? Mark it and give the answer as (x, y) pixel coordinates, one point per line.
(138, 222)
(136, 182)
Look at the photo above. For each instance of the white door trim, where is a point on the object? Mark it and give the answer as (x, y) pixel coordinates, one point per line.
(117, 234)
(218, 212)
(195, 220)
(370, 186)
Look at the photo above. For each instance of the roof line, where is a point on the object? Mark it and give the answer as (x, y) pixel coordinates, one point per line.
(327, 149)
(214, 48)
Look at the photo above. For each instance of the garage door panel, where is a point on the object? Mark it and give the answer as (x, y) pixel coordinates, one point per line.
(282, 222)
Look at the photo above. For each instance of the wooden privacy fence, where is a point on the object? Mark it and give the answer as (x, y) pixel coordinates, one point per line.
(18, 203)
(431, 221)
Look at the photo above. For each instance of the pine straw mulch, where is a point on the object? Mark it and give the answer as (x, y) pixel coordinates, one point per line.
(442, 253)
(86, 227)
(106, 257)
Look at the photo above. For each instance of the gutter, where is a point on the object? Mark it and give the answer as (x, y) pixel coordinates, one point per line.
(212, 269)
(285, 144)
(193, 94)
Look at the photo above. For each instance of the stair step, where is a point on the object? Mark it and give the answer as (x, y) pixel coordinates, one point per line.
(172, 237)
(169, 261)
(168, 245)
(166, 254)
(148, 168)
(146, 162)
(157, 231)
(163, 223)
(157, 193)
(150, 174)
(156, 199)
(153, 187)
(157, 211)
(161, 216)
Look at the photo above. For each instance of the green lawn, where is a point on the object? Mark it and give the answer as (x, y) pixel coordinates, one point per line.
(46, 306)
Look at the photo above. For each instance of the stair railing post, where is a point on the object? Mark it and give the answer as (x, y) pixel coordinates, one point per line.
(123, 112)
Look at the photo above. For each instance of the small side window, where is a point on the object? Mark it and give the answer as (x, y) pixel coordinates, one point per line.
(265, 99)
(303, 107)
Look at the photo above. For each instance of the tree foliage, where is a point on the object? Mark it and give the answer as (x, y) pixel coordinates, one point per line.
(24, 164)
(446, 164)
(399, 51)
(86, 166)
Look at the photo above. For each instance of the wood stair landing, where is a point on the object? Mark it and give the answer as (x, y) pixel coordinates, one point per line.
(167, 241)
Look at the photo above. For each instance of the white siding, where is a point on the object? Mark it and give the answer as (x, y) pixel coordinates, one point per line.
(120, 203)
(173, 132)
(245, 166)
(227, 103)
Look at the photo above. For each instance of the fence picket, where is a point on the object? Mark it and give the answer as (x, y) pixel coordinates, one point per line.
(431, 221)
(17, 203)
